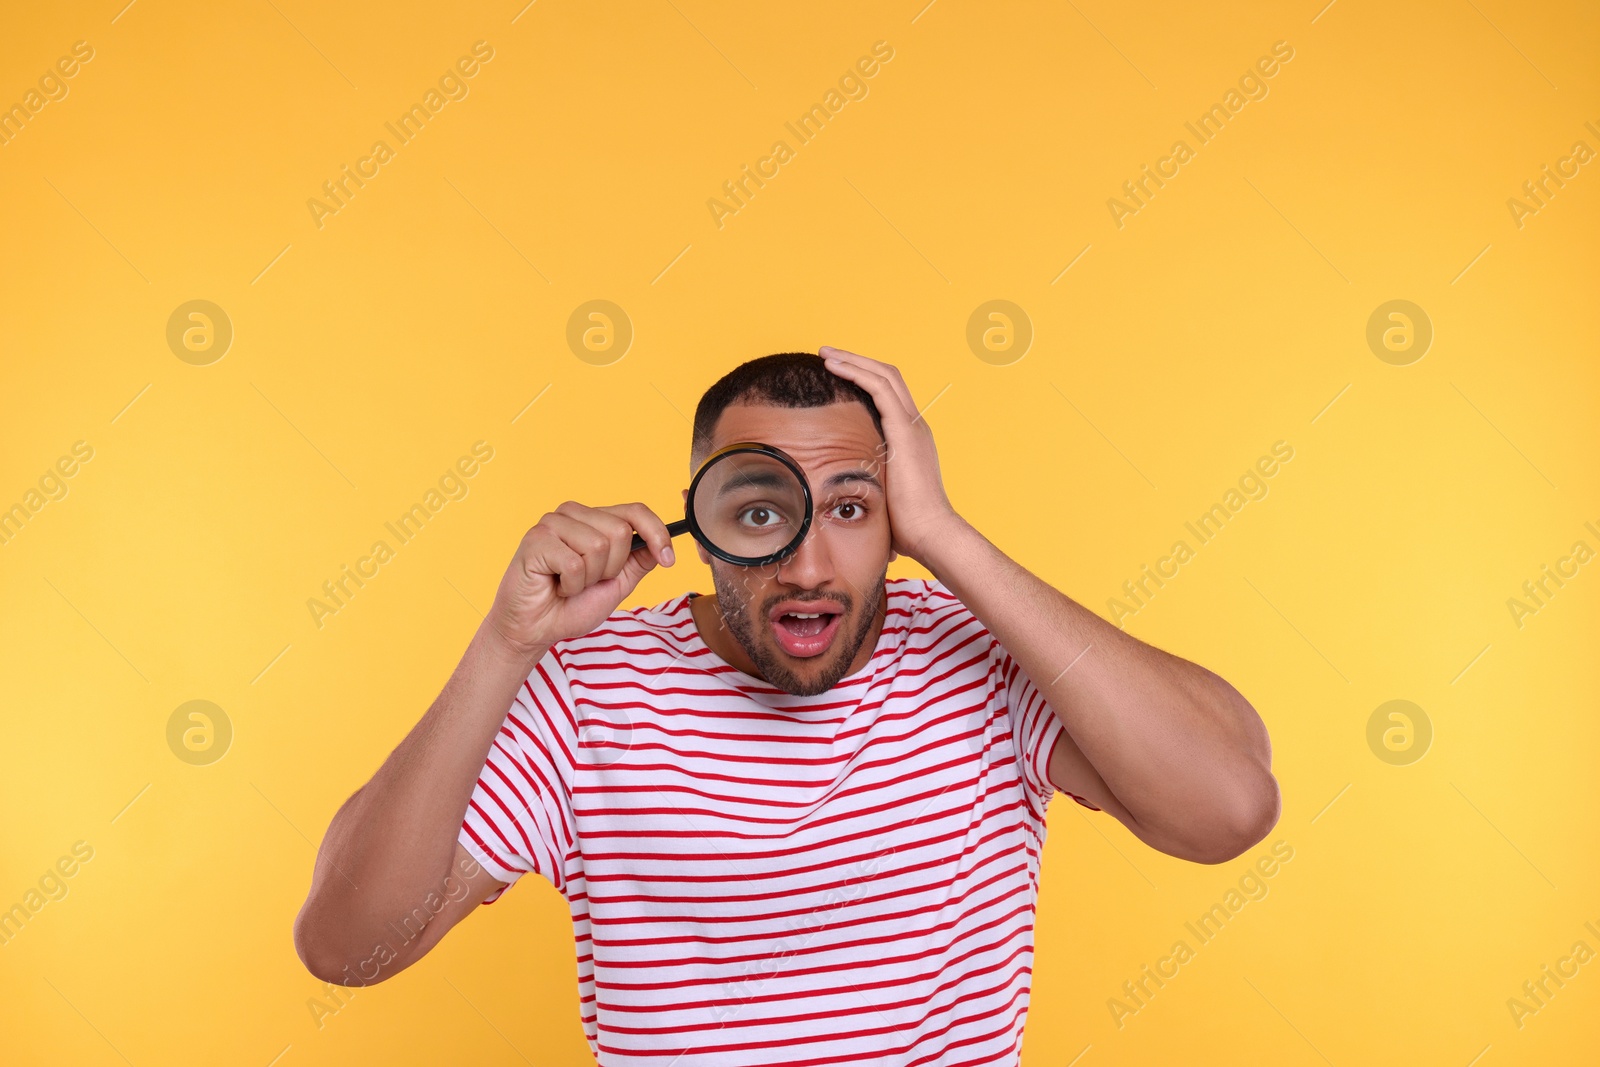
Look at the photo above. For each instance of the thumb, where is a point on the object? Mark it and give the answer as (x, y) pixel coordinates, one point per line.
(639, 563)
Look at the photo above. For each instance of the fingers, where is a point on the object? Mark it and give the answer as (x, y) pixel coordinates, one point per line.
(581, 546)
(882, 380)
(599, 536)
(887, 371)
(657, 539)
(545, 552)
(572, 551)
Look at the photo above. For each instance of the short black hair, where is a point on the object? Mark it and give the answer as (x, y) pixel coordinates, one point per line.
(783, 380)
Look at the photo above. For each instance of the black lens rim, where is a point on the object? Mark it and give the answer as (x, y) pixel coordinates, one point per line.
(704, 539)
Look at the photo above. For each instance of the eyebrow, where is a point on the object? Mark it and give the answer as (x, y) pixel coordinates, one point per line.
(859, 475)
(769, 479)
(761, 479)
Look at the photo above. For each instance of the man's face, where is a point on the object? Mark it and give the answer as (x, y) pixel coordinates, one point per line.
(839, 569)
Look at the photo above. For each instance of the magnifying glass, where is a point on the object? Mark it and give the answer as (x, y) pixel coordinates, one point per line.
(748, 504)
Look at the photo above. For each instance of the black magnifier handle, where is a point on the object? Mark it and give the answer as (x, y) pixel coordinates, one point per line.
(673, 529)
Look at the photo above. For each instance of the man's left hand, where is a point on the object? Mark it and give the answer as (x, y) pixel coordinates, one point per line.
(918, 507)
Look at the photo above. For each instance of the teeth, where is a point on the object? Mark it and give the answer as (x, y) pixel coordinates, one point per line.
(800, 615)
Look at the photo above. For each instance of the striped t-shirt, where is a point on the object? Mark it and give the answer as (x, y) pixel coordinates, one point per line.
(767, 879)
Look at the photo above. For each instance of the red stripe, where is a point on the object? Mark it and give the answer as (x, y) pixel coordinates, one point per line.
(632, 746)
(685, 940)
(876, 1031)
(597, 834)
(862, 790)
(964, 980)
(774, 916)
(864, 942)
(897, 981)
(733, 898)
(537, 782)
(674, 876)
(651, 701)
(790, 852)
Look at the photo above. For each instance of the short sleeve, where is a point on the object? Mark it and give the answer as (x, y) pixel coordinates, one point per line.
(1035, 726)
(519, 818)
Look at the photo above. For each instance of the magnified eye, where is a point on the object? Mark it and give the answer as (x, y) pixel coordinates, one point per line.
(760, 517)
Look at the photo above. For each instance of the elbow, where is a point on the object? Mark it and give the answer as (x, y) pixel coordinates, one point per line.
(1252, 806)
(312, 948)
(1249, 821)
(321, 954)
(325, 969)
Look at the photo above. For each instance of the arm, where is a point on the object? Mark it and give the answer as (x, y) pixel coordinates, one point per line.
(1166, 746)
(390, 855)
(1170, 749)
(391, 878)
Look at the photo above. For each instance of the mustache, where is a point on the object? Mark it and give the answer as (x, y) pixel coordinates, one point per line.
(841, 599)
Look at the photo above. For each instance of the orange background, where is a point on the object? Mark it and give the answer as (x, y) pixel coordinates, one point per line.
(432, 310)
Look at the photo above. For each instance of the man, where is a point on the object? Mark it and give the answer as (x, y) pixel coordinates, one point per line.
(785, 840)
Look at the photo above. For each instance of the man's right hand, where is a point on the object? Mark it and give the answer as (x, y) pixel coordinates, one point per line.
(572, 570)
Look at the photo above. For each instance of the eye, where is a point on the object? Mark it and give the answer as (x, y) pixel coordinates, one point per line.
(760, 516)
(850, 510)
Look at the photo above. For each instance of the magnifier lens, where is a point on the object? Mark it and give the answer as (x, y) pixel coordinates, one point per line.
(749, 505)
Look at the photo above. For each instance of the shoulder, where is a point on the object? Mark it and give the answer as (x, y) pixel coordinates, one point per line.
(629, 646)
(627, 633)
(924, 596)
(930, 611)
(925, 593)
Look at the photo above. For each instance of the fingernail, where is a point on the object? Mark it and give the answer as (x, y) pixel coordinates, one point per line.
(669, 556)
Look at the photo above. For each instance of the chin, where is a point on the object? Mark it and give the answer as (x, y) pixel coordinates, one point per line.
(808, 675)
(803, 686)
(796, 675)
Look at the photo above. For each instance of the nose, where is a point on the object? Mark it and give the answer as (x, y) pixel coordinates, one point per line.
(811, 565)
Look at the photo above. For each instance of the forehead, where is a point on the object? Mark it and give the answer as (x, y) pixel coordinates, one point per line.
(821, 439)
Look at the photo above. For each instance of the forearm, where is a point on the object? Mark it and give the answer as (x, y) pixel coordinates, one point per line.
(1179, 747)
(392, 843)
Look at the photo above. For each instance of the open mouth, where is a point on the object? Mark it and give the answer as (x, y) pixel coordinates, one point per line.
(805, 628)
